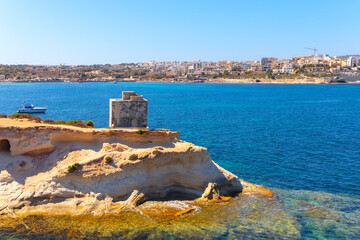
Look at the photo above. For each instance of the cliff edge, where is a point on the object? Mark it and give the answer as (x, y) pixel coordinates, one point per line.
(70, 170)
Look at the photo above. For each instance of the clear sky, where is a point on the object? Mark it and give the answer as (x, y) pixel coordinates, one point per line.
(115, 31)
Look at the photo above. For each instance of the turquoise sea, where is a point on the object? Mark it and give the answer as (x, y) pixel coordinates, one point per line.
(302, 141)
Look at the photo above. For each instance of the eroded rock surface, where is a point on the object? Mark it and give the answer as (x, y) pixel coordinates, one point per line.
(63, 169)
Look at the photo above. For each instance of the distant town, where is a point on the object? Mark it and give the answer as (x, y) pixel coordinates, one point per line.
(315, 68)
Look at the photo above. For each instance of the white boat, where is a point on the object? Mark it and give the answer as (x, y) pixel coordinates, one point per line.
(29, 108)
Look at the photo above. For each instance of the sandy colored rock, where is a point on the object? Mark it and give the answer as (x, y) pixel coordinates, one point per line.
(250, 188)
(35, 176)
(211, 192)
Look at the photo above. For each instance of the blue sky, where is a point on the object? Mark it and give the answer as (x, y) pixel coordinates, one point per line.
(106, 31)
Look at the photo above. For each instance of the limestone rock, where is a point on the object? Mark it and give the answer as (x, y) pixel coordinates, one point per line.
(61, 169)
(211, 192)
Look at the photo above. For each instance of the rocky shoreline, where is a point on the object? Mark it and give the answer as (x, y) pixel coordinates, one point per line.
(70, 170)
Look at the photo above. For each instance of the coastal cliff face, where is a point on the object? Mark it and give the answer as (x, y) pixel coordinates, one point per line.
(70, 170)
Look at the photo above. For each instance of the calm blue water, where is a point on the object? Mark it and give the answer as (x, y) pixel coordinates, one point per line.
(285, 136)
(303, 141)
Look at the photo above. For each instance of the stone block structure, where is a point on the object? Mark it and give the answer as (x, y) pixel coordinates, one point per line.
(128, 111)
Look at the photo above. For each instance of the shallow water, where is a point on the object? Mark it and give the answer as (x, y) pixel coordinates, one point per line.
(292, 214)
(301, 140)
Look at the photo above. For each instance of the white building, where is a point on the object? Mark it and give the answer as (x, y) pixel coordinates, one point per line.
(353, 61)
(287, 68)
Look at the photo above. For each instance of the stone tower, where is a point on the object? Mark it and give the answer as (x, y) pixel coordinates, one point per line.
(130, 111)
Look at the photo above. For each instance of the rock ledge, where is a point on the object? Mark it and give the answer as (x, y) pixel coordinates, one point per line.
(70, 170)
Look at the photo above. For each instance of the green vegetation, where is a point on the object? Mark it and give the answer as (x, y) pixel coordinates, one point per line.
(21, 115)
(49, 121)
(76, 123)
(141, 131)
(60, 122)
(73, 168)
(26, 116)
(90, 123)
(157, 76)
(133, 157)
(345, 56)
(156, 152)
(270, 74)
(108, 159)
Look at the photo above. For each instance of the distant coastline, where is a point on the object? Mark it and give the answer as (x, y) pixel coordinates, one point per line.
(291, 81)
(313, 69)
(220, 80)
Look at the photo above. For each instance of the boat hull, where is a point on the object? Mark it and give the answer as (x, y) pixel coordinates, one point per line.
(31, 110)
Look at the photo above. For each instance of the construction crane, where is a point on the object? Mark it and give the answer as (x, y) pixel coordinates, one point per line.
(313, 49)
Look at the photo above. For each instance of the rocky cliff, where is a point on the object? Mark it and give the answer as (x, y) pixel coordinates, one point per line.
(70, 170)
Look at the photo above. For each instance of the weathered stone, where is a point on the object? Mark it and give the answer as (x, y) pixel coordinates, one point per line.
(130, 111)
(41, 182)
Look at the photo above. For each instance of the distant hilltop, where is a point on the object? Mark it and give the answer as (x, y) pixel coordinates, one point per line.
(317, 65)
